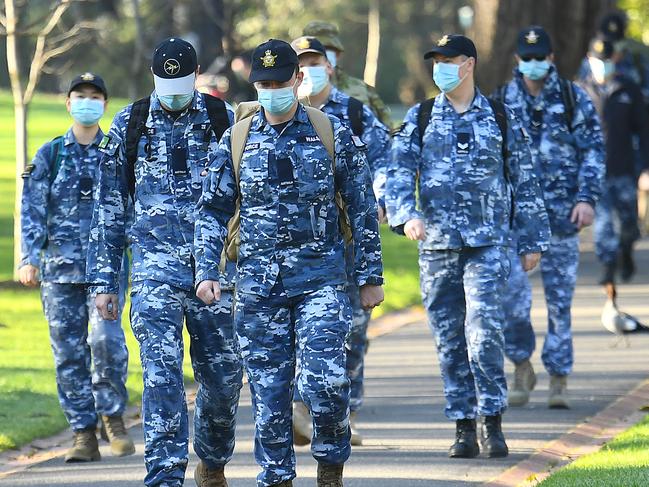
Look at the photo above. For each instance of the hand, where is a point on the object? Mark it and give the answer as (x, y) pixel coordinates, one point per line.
(530, 261)
(209, 291)
(371, 296)
(582, 215)
(107, 305)
(28, 275)
(415, 230)
(382, 215)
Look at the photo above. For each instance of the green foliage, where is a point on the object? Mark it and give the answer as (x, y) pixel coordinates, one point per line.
(637, 11)
(624, 462)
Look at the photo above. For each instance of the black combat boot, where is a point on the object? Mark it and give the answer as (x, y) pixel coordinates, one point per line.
(466, 440)
(492, 438)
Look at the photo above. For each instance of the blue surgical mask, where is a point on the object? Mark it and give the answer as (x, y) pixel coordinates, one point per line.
(533, 69)
(601, 70)
(447, 76)
(332, 57)
(315, 80)
(277, 101)
(176, 102)
(86, 111)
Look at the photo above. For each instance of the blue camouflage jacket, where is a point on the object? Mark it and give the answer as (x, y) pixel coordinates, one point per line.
(57, 207)
(162, 232)
(465, 189)
(376, 137)
(289, 221)
(568, 160)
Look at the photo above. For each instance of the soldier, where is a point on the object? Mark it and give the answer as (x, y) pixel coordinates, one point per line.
(57, 204)
(288, 167)
(328, 34)
(619, 102)
(154, 154)
(568, 152)
(319, 92)
(466, 153)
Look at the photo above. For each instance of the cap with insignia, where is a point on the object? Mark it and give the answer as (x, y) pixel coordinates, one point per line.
(326, 32)
(453, 45)
(174, 67)
(613, 26)
(88, 79)
(305, 44)
(533, 41)
(274, 60)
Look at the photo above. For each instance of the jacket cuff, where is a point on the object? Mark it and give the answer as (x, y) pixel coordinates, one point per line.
(371, 280)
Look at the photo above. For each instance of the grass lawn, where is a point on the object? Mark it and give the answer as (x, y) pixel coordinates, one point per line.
(28, 404)
(624, 462)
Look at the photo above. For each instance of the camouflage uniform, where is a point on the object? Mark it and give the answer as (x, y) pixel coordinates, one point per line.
(377, 139)
(328, 34)
(569, 163)
(464, 201)
(291, 277)
(55, 221)
(163, 291)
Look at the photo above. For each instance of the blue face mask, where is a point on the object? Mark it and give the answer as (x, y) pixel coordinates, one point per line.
(176, 102)
(533, 69)
(315, 80)
(332, 57)
(447, 76)
(86, 111)
(277, 101)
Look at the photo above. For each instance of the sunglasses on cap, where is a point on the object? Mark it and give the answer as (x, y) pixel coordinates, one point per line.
(540, 57)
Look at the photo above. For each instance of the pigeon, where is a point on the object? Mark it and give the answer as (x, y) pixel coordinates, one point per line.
(618, 322)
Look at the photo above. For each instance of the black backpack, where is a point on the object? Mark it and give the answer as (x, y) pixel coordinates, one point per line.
(219, 123)
(426, 108)
(567, 96)
(355, 113)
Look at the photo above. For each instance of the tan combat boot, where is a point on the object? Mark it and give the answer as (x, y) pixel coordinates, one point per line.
(205, 477)
(85, 447)
(330, 475)
(302, 424)
(558, 392)
(357, 438)
(524, 382)
(114, 431)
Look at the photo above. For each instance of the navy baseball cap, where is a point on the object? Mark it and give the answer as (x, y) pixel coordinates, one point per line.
(613, 26)
(274, 60)
(305, 44)
(453, 45)
(533, 41)
(88, 79)
(174, 65)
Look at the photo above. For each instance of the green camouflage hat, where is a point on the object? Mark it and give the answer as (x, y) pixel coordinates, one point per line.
(325, 32)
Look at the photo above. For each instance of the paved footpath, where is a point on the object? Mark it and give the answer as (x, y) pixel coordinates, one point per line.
(406, 433)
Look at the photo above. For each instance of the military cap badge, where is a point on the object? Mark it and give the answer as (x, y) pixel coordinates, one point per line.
(443, 41)
(532, 37)
(612, 26)
(304, 44)
(268, 59)
(88, 77)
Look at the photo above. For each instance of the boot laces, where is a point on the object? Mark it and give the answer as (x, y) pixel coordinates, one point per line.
(82, 439)
(115, 427)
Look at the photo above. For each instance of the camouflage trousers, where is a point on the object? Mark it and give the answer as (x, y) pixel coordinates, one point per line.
(616, 218)
(461, 292)
(272, 331)
(157, 314)
(91, 366)
(355, 347)
(559, 272)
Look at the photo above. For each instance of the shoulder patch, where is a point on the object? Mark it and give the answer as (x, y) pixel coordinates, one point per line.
(29, 169)
(524, 132)
(104, 142)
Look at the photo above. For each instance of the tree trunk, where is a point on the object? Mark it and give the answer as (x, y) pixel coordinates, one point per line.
(20, 122)
(137, 63)
(498, 22)
(373, 43)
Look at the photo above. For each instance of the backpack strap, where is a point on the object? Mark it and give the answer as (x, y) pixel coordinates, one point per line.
(500, 94)
(501, 119)
(568, 98)
(217, 113)
(423, 117)
(355, 114)
(56, 146)
(134, 130)
(238, 138)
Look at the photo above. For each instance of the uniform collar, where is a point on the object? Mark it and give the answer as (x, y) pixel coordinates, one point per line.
(336, 96)
(259, 120)
(69, 138)
(479, 103)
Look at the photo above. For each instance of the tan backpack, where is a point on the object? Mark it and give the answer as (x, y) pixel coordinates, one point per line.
(238, 139)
